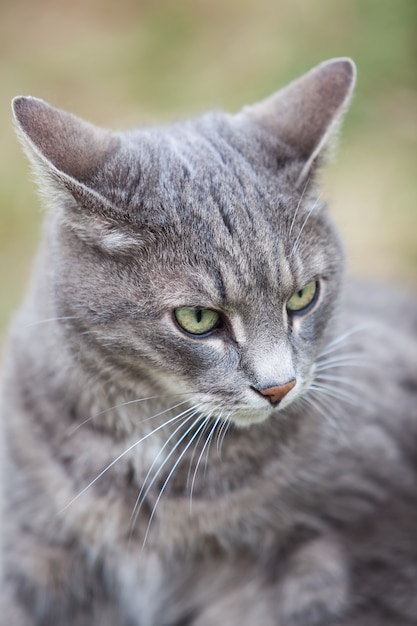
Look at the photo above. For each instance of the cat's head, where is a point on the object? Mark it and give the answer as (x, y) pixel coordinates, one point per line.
(197, 257)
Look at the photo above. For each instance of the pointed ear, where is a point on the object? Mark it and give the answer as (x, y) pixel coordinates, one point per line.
(66, 153)
(61, 141)
(307, 113)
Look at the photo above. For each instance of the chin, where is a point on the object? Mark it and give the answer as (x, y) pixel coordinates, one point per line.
(243, 418)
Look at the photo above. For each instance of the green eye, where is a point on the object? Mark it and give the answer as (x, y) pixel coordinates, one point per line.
(303, 298)
(197, 321)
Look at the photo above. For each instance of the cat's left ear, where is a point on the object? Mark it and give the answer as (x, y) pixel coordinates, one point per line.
(306, 114)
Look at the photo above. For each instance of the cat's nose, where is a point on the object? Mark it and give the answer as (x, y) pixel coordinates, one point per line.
(277, 393)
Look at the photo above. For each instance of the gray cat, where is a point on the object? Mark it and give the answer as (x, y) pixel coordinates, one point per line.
(203, 426)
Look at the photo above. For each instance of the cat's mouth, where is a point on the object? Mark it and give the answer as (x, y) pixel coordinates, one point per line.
(247, 417)
(256, 414)
(256, 406)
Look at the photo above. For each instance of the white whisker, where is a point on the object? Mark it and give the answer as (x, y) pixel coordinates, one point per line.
(209, 445)
(51, 319)
(119, 457)
(334, 393)
(168, 479)
(348, 358)
(323, 409)
(303, 226)
(340, 379)
(298, 206)
(335, 343)
(222, 433)
(320, 407)
(195, 450)
(219, 433)
(122, 404)
(206, 445)
(142, 493)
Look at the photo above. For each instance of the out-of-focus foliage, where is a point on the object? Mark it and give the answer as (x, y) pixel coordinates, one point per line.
(125, 63)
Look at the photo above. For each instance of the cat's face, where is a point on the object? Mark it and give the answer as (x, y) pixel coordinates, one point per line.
(197, 258)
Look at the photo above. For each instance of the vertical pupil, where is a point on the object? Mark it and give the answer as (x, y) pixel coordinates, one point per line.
(199, 315)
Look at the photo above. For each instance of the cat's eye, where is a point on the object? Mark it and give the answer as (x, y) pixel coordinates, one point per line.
(304, 298)
(197, 321)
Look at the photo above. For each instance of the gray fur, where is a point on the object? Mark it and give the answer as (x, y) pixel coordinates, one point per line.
(237, 512)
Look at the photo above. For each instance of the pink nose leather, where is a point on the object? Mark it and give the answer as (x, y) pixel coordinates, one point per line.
(275, 394)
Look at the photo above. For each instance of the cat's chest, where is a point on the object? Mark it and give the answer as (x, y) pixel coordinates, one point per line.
(234, 505)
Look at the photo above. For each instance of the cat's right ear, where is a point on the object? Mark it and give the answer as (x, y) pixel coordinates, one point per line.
(64, 144)
(66, 153)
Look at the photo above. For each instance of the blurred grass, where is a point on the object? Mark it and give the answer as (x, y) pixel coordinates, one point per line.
(125, 63)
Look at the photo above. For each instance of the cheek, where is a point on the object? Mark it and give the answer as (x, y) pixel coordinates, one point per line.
(205, 363)
(212, 362)
(308, 330)
(308, 335)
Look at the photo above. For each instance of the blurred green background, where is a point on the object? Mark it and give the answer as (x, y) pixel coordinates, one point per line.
(125, 63)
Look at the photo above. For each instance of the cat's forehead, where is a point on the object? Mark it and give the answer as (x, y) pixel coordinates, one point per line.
(196, 182)
(195, 164)
(218, 193)
(219, 211)
(233, 274)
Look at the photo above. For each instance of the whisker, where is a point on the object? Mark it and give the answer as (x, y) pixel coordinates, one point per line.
(227, 422)
(206, 445)
(342, 361)
(195, 450)
(340, 379)
(122, 404)
(320, 407)
(210, 439)
(51, 319)
(302, 227)
(219, 433)
(119, 457)
(334, 393)
(335, 343)
(168, 479)
(298, 206)
(323, 410)
(142, 493)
